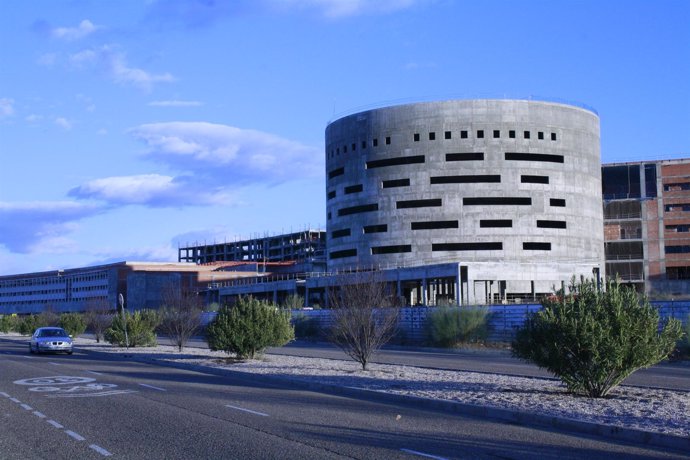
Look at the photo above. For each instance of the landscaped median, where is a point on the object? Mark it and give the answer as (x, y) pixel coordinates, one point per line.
(654, 416)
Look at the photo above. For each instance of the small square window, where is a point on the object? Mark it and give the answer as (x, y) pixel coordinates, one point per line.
(463, 134)
(354, 146)
(376, 143)
(511, 134)
(364, 144)
(480, 134)
(553, 136)
(344, 148)
(337, 151)
(526, 134)
(540, 135)
(497, 134)
(447, 134)
(432, 136)
(416, 137)
(388, 140)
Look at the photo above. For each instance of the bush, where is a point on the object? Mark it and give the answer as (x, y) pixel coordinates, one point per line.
(141, 326)
(248, 327)
(293, 302)
(592, 339)
(9, 323)
(28, 324)
(449, 326)
(73, 323)
(683, 345)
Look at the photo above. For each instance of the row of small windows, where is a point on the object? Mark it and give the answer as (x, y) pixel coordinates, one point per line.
(442, 247)
(678, 228)
(450, 224)
(677, 187)
(435, 180)
(685, 249)
(52, 280)
(436, 202)
(461, 156)
(447, 135)
(678, 207)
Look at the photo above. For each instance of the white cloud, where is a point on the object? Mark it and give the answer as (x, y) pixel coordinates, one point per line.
(6, 107)
(175, 103)
(63, 123)
(115, 65)
(33, 118)
(152, 190)
(345, 8)
(84, 29)
(39, 226)
(226, 154)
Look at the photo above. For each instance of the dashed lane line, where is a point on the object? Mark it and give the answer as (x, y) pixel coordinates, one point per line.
(55, 424)
(94, 372)
(100, 450)
(152, 387)
(39, 414)
(422, 454)
(26, 407)
(74, 435)
(247, 410)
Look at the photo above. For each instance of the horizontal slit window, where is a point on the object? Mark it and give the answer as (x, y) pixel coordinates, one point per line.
(340, 233)
(467, 246)
(465, 156)
(394, 249)
(343, 253)
(380, 228)
(433, 225)
(495, 223)
(398, 161)
(358, 209)
(530, 246)
(677, 249)
(395, 183)
(496, 201)
(551, 224)
(418, 203)
(468, 179)
(518, 156)
(336, 173)
(557, 202)
(331, 194)
(527, 179)
(353, 188)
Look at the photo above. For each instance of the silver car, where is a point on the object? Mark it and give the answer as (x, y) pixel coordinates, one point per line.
(50, 339)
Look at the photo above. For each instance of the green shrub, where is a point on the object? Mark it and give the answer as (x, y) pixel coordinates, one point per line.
(141, 326)
(248, 327)
(9, 323)
(28, 324)
(73, 323)
(306, 327)
(593, 339)
(293, 302)
(450, 327)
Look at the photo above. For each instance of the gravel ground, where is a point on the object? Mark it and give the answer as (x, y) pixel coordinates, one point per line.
(661, 411)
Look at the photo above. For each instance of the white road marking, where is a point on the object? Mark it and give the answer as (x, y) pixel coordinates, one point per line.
(4, 394)
(422, 454)
(100, 450)
(39, 414)
(74, 435)
(247, 410)
(55, 424)
(152, 387)
(95, 373)
(26, 407)
(15, 400)
(55, 364)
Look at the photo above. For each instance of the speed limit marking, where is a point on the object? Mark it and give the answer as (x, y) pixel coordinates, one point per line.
(56, 380)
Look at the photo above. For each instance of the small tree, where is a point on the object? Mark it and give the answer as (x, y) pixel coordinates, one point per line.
(248, 327)
(28, 324)
(141, 326)
(362, 319)
(9, 323)
(293, 302)
(592, 339)
(48, 317)
(73, 323)
(98, 317)
(451, 326)
(180, 315)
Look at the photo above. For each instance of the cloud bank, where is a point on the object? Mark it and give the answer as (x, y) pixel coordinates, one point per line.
(84, 29)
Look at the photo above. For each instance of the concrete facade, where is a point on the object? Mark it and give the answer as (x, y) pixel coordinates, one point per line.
(508, 189)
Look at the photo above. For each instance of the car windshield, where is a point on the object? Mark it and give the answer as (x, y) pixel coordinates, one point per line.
(52, 333)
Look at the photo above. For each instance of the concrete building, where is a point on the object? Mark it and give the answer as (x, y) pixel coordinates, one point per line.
(75, 290)
(647, 225)
(508, 189)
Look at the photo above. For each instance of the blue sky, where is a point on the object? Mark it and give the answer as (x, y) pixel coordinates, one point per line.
(130, 127)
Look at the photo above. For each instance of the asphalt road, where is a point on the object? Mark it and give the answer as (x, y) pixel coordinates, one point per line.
(82, 406)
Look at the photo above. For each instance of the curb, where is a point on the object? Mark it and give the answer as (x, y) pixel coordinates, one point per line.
(631, 435)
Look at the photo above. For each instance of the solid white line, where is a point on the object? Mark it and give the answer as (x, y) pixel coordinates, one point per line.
(152, 387)
(100, 450)
(95, 373)
(247, 410)
(39, 414)
(26, 407)
(422, 454)
(74, 435)
(55, 364)
(55, 424)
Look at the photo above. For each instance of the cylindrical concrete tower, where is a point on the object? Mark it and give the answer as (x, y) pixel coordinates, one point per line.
(511, 189)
